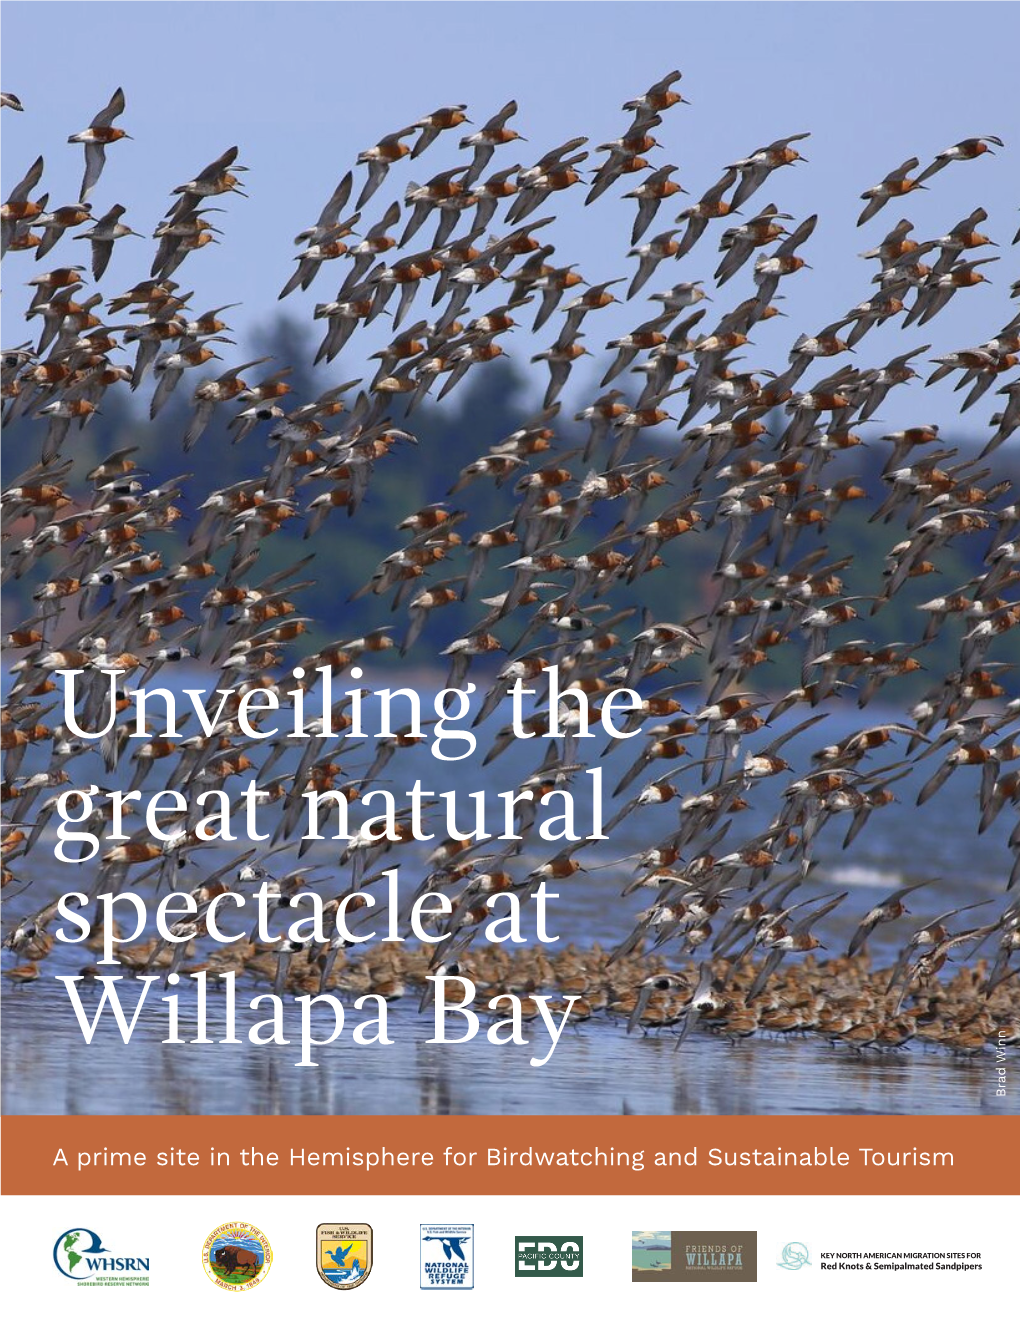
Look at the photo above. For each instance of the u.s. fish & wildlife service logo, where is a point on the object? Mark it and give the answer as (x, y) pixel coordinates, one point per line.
(236, 1256)
(447, 1256)
(545, 1257)
(79, 1254)
(343, 1254)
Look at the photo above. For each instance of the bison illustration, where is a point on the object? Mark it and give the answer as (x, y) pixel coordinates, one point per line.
(236, 1260)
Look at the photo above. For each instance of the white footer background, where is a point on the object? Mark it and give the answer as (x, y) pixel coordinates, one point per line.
(171, 1230)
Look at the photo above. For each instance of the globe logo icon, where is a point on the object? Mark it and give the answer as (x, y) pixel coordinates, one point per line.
(795, 1255)
(71, 1249)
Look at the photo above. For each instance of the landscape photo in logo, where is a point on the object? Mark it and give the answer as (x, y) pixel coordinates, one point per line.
(651, 1251)
(236, 1256)
(343, 1254)
(80, 1254)
(447, 1256)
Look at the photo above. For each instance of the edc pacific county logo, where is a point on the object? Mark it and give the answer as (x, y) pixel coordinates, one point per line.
(538, 1257)
(447, 1256)
(79, 1254)
(236, 1256)
(343, 1254)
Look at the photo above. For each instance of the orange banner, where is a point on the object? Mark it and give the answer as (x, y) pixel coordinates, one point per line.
(520, 1155)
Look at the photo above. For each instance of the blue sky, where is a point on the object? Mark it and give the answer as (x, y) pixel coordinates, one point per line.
(302, 87)
(660, 1236)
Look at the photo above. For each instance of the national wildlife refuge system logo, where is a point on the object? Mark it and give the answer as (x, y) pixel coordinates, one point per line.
(343, 1254)
(447, 1255)
(236, 1256)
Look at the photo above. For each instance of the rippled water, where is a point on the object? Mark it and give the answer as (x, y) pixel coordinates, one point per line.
(597, 1068)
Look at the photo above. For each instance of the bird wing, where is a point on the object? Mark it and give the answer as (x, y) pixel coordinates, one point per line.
(902, 171)
(21, 191)
(110, 112)
(95, 159)
(804, 925)
(220, 164)
(102, 251)
(800, 235)
(499, 119)
(389, 219)
(330, 213)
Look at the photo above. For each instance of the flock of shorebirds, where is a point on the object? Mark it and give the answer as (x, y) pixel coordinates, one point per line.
(727, 940)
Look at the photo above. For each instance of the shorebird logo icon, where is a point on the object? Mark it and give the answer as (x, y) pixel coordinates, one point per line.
(795, 1255)
(451, 1246)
